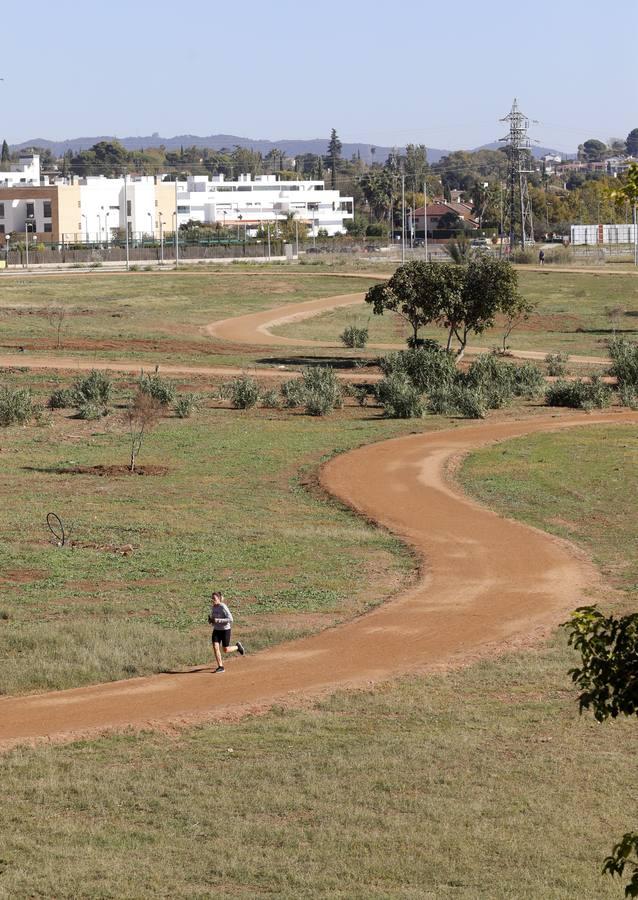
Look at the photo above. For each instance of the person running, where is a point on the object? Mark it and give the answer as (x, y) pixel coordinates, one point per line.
(221, 618)
(541, 258)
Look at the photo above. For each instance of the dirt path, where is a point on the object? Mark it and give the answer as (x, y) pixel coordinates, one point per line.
(254, 329)
(486, 582)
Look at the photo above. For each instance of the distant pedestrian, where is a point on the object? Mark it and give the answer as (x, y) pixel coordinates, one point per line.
(541, 258)
(221, 618)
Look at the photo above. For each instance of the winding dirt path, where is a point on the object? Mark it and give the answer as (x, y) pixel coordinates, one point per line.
(486, 581)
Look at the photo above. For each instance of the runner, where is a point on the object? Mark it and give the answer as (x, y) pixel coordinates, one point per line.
(221, 618)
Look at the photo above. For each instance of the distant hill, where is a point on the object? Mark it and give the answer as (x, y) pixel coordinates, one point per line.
(318, 146)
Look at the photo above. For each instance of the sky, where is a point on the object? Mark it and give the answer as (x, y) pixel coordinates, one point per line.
(442, 74)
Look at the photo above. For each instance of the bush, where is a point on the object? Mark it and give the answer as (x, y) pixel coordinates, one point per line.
(91, 410)
(17, 406)
(62, 398)
(360, 392)
(557, 364)
(624, 355)
(244, 392)
(458, 400)
(428, 367)
(186, 405)
(322, 391)
(528, 381)
(96, 387)
(399, 397)
(271, 399)
(579, 394)
(157, 388)
(293, 393)
(354, 337)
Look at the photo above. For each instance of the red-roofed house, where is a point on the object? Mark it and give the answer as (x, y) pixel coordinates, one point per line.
(441, 208)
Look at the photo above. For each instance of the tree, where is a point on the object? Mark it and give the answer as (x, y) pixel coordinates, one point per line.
(608, 681)
(56, 316)
(632, 142)
(334, 155)
(417, 292)
(142, 415)
(450, 221)
(488, 286)
(5, 153)
(519, 310)
(592, 150)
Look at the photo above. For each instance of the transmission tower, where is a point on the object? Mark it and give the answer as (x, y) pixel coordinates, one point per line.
(517, 148)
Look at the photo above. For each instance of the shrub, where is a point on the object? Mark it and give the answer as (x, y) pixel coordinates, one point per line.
(16, 406)
(399, 397)
(354, 337)
(557, 364)
(579, 394)
(91, 410)
(322, 388)
(96, 387)
(62, 398)
(628, 396)
(157, 388)
(528, 381)
(459, 399)
(186, 405)
(360, 392)
(244, 392)
(624, 356)
(428, 367)
(293, 393)
(271, 399)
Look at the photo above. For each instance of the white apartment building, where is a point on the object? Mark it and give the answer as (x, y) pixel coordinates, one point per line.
(252, 202)
(25, 172)
(96, 209)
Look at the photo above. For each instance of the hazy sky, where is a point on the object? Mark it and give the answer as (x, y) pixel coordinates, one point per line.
(442, 74)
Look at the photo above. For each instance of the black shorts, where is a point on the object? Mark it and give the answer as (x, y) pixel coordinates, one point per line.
(221, 636)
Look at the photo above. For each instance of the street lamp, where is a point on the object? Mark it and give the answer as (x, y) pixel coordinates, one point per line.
(161, 231)
(106, 228)
(86, 228)
(150, 215)
(26, 240)
(99, 229)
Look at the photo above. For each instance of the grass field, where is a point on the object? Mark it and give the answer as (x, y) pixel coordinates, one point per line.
(156, 318)
(571, 316)
(477, 783)
(231, 513)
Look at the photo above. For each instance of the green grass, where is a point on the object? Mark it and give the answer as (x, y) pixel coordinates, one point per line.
(571, 316)
(596, 505)
(154, 318)
(232, 513)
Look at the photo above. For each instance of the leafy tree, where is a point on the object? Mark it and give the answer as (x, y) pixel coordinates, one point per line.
(450, 221)
(632, 142)
(417, 292)
(487, 286)
(608, 681)
(377, 186)
(592, 150)
(628, 190)
(333, 156)
(519, 310)
(5, 153)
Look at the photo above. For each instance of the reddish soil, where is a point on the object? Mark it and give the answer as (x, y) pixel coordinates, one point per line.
(110, 471)
(486, 584)
(22, 576)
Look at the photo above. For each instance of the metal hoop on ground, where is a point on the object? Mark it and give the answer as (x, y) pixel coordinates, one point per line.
(55, 526)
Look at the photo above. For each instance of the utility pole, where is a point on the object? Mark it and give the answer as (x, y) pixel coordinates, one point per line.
(517, 148)
(402, 219)
(128, 259)
(425, 219)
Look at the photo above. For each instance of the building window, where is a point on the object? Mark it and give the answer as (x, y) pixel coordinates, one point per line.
(1, 229)
(46, 209)
(48, 227)
(30, 210)
(1, 210)
(129, 209)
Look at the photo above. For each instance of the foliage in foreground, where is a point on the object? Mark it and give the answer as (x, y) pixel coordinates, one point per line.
(354, 337)
(624, 356)
(17, 406)
(608, 683)
(593, 394)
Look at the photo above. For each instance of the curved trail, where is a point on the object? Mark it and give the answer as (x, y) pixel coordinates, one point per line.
(254, 329)
(486, 581)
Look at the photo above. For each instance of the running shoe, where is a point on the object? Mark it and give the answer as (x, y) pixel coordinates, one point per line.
(219, 669)
(240, 648)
